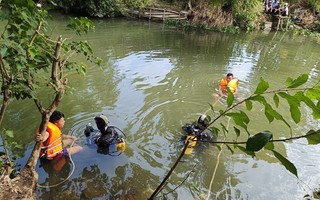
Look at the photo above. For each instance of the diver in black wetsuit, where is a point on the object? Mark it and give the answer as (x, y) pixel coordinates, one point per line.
(198, 135)
(197, 129)
(105, 136)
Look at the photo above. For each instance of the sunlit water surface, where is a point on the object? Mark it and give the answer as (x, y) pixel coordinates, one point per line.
(153, 80)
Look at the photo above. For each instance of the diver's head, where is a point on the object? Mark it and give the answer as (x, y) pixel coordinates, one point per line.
(101, 122)
(204, 120)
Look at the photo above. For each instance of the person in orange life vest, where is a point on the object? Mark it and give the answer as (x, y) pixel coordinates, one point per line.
(54, 143)
(230, 82)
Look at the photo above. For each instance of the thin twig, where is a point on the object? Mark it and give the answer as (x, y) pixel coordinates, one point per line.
(217, 164)
(183, 180)
(155, 193)
(277, 140)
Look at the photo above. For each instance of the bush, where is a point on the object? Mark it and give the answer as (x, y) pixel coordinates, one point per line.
(94, 8)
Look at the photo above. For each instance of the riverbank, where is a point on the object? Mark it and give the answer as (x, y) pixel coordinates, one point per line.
(227, 16)
(302, 19)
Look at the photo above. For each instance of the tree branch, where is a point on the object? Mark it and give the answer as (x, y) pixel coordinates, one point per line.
(33, 37)
(56, 60)
(277, 140)
(159, 188)
(174, 189)
(155, 193)
(4, 71)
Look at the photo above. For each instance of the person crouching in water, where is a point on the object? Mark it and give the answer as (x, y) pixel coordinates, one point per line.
(105, 136)
(54, 143)
(229, 82)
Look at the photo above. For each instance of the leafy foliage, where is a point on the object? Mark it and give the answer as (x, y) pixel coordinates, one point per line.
(30, 58)
(247, 13)
(138, 4)
(104, 8)
(258, 141)
(313, 137)
(294, 94)
(27, 49)
(8, 144)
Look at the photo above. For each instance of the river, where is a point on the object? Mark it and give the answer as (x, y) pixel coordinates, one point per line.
(153, 80)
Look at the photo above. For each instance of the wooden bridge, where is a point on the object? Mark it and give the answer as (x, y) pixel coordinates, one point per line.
(159, 14)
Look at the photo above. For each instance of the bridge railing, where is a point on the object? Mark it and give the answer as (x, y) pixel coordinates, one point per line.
(160, 14)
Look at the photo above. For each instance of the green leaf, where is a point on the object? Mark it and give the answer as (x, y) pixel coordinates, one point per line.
(53, 3)
(3, 51)
(310, 104)
(258, 141)
(230, 97)
(297, 82)
(18, 146)
(237, 131)
(286, 163)
(294, 103)
(270, 112)
(98, 61)
(231, 150)
(313, 94)
(295, 114)
(218, 147)
(259, 99)
(214, 130)
(9, 133)
(244, 150)
(32, 52)
(195, 187)
(269, 116)
(211, 107)
(313, 137)
(224, 129)
(248, 105)
(241, 119)
(262, 86)
(163, 196)
(269, 146)
(276, 100)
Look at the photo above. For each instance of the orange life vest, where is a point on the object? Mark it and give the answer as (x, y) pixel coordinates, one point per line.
(53, 145)
(233, 84)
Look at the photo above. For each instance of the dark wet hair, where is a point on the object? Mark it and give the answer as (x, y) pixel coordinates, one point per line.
(229, 74)
(55, 116)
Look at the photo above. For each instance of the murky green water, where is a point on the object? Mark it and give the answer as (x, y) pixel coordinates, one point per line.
(154, 80)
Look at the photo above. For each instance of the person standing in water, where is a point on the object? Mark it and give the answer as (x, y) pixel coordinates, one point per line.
(230, 82)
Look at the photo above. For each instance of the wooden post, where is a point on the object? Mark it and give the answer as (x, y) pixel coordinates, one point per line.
(287, 23)
(150, 14)
(164, 15)
(278, 23)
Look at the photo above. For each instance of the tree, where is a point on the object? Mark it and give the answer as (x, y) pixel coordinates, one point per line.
(30, 59)
(292, 93)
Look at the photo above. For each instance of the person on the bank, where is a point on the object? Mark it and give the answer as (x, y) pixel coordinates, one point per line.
(54, 143)
(285, 10)
(229, 82)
